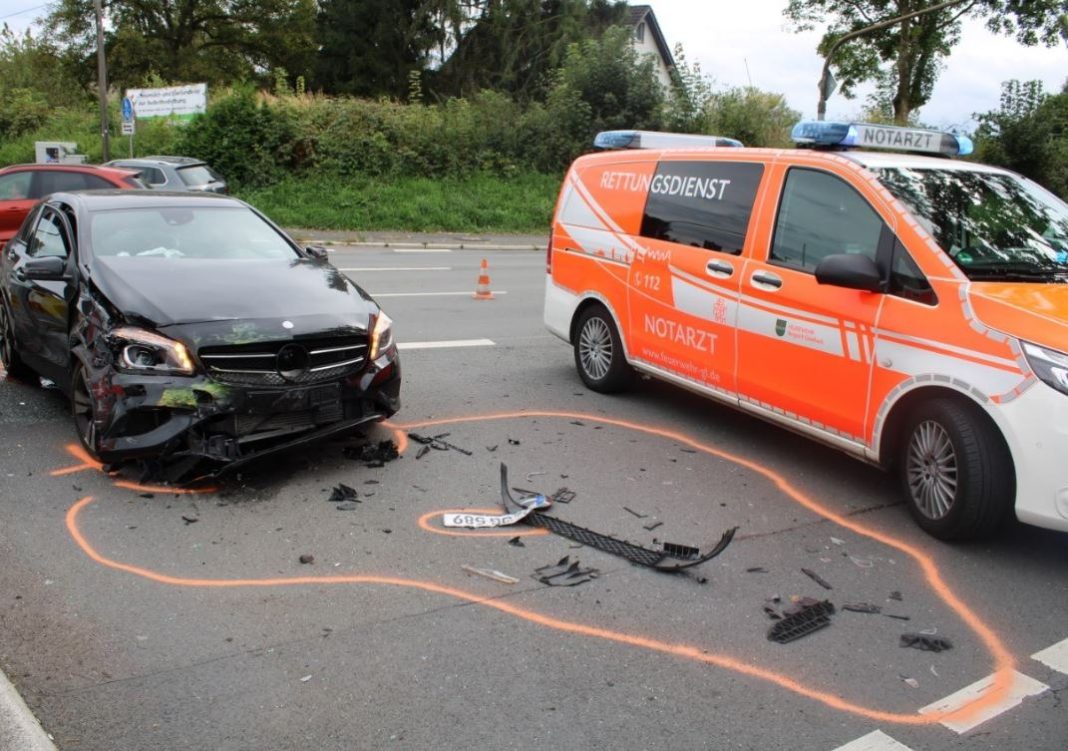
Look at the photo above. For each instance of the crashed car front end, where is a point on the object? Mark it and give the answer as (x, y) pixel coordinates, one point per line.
(233, 391)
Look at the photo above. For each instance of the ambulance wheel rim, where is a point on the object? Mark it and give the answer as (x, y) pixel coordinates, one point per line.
(932, 470)
(595, 348)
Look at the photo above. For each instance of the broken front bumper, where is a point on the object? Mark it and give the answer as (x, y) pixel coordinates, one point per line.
(168, 417)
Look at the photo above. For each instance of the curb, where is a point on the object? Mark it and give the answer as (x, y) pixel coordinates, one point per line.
(19, 729)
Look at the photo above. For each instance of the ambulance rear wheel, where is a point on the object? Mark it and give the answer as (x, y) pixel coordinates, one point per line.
(955, 470)
(599, 352)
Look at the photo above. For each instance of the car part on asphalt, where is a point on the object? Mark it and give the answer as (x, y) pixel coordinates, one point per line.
(375, 455)
(635, 513)
(651, 527)
(307, 558)
(926, 643)
(490, 574)
(810, 616)
(756, 570)
(862, 607)
(565, 573)
(681, 552)
(343, 492)
(563, 495)
(816, 578)
(437, 442)
(517, 541)
(423, 451)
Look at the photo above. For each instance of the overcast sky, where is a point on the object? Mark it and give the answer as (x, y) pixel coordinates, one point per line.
(726, 37)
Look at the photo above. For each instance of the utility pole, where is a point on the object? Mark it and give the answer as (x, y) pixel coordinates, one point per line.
(826, 83)
(102, 78)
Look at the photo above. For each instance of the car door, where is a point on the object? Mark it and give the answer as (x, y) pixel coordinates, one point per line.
(683, 289)
(16, 200)
(39, 306)
(805, 350)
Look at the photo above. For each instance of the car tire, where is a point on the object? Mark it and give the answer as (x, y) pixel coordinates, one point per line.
(9, 354)
(955, 470)
(83, 409)
(599, 354)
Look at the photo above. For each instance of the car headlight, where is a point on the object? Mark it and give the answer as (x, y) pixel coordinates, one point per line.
(146, 352)
(1049, 365)
(381, 335)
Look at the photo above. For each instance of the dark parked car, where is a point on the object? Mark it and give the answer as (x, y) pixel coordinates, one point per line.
(174, 173)
(187, 326)
(23, 185)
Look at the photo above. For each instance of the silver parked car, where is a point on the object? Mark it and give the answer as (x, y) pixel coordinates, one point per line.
(174, 173)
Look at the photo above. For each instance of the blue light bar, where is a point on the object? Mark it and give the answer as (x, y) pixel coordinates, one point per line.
(650, 139)
(871, 136)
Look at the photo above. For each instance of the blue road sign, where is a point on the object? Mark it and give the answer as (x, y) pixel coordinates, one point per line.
(127, 109)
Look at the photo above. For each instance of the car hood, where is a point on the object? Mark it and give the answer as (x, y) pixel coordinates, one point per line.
(167, 292)
(1034, 312)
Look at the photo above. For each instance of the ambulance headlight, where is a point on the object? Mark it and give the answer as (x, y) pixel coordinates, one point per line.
(1049, 365)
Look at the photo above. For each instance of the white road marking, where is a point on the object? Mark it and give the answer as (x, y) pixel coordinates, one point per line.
(397, 268)
(430, 294)
(1055, 657)
(1022, 687)
(447, 344)
(422, 250)
(875, 741)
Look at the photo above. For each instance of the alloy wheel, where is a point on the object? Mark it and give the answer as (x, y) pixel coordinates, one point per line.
(595, 348)
(932, 470)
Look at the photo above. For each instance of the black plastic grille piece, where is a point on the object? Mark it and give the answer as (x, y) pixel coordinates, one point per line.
(256, 364)
(802, 623)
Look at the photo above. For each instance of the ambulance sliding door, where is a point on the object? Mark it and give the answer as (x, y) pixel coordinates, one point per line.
(683, 285)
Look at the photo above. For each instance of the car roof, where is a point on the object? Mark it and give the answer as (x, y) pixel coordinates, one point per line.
(885, 159)
(88, 168)
(157, 161)
(110, 200)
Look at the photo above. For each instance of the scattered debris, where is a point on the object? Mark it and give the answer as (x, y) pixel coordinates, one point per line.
(307, 558)
(147, 495)
(926, 643)
(373, 454)
(517, 541)
(808, 615)
(652, 526)
(580, 423)
(491, 448)
(862, 607)
(862, 562)
(190, 520)
(910, 681)
(342, 492)
(635, 513)
(836, 541)
(772, 613)
(305, 679)
(897, 617)
(370, 482)
(532, 475)
(688, 451)
(423, 452)
(436, 442)
(816, 578)
(895, 595)
(564, 573)
(756, 570)
(490, 574)
(934, 672)
(347, 506)
(563, 495)
(513, 442)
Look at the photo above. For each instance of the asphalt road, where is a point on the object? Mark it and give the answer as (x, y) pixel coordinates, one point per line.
(126, 626)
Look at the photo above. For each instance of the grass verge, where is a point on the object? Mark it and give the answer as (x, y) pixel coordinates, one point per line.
(480, 203)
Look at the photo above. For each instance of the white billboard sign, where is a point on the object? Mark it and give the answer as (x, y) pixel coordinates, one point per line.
(173, 101)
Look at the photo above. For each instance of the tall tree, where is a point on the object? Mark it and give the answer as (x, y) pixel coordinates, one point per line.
(905, 59)
(512, 45)
(192, 40)
(371, 47)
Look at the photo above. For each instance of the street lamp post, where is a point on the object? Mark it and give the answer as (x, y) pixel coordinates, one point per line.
(102, 78)
(826, 84)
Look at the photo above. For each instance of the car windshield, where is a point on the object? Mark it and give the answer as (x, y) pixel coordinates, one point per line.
(995, 226)
(187, 232)
(198, 174)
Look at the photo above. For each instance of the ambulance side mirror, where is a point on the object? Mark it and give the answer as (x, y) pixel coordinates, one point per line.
(850, 270)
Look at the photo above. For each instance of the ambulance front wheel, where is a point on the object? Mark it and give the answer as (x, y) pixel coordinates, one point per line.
(955, 470)
(599, 352)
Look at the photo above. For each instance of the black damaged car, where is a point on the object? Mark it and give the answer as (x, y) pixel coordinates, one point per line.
(187, 327)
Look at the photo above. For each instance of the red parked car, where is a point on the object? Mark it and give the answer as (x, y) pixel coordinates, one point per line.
(23, 185)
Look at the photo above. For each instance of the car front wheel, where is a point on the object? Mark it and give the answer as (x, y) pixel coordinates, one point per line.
(83, 408)
(955, 470)
(9, 355)
(599, 352)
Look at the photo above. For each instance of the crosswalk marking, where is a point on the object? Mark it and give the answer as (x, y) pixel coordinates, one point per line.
(1022, 687)
(876, 740)
(1055, 657)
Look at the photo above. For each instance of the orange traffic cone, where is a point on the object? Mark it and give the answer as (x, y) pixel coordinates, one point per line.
(482, 289)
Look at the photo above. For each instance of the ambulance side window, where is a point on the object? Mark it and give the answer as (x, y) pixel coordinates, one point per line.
(820, 215)
(906, 279)
(702, 204)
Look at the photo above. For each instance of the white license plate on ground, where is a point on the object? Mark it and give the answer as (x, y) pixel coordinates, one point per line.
(482, 521)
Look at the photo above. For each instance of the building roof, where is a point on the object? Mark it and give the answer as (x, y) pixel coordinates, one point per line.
(637, 14)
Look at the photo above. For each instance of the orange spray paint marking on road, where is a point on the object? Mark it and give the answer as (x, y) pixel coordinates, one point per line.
(424, 524)
(87, 462)
(79, 453)
(1003, 660)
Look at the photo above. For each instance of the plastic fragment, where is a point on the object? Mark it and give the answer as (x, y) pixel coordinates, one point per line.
(652, 526)
(756, 570)
(910, 681)
(562, 495)
(347, 506)
(635, 513)
(490, 574)
(816, 578)
(681, 552)
(517, 541)
(926, 643)
(565, 573)
(895, 595)
(342, 492)
(423, 451)
(307, 558)
(809, 616)
(862, 607)
(190, 520)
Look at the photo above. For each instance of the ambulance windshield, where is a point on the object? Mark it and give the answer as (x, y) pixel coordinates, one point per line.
(995, 226)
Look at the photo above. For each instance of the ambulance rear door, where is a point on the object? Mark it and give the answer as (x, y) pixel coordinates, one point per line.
(683, 285)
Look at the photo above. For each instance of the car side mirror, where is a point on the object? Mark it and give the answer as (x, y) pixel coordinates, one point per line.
(49, 268)
(850, 270)
(317, 251)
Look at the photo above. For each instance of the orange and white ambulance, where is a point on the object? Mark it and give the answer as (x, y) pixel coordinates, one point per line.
(905, 307)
